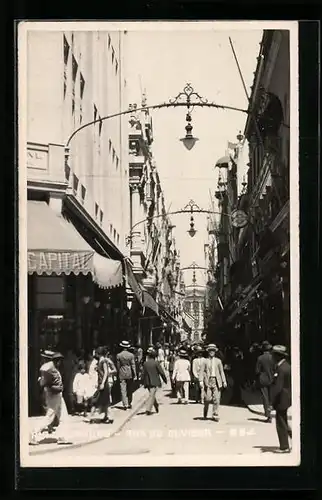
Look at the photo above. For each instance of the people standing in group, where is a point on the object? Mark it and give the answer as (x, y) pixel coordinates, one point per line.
(212, 379)
(196, 366)
(171, 361)
(281, 396)
(265, 368)
(50, 381)
(182, 376)
(125, 363)
(152, 375)
(101, 399)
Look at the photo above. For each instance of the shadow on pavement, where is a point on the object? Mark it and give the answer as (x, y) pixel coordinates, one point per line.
(199, 418)
(258, 420)
(268, 449)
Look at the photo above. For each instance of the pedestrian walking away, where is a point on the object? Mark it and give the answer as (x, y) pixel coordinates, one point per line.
(281, 396)
(265, 368)
(182, 377)
(212, 379)
(50, 381)
(125, 364)
(196, 366)
(152, 375)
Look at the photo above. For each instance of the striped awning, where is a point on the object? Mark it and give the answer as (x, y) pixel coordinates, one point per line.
(56, 247)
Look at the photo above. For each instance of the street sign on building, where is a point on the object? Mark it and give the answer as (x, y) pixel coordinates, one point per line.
(239, 218)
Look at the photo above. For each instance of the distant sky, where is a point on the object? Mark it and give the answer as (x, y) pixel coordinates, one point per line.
(161, 63)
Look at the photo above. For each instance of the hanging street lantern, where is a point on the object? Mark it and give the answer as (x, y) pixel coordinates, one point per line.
(189, 140)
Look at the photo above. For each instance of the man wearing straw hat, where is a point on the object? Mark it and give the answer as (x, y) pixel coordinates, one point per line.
(125, 363)
(281, 396)
(212, 379)
(50, 381)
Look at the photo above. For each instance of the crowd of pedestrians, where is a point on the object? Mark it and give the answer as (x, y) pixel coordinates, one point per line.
(195, 372)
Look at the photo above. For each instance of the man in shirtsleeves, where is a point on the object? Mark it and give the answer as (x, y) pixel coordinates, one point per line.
(212, 379)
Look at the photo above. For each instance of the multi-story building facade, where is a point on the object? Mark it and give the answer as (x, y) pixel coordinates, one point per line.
(220, 251)
(258, 307)
(78, 203)
(155, 258)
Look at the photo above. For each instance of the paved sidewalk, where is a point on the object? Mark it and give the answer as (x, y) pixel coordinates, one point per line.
(80, 432)
(252, 400)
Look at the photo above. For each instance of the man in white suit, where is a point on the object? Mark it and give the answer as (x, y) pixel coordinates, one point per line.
(212, 379)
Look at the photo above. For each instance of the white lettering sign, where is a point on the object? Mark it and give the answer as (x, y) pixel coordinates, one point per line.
(37, 159)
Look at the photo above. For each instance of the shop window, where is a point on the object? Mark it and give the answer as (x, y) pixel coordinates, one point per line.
(75, 183)
(74, 76)
(83, 192)
(66, 57)
(81, 93)
(50, 293)
(100, 124)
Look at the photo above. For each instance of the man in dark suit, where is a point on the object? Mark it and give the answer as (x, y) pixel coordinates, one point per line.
(152, 375)
(265, 367)
(281, 396)
(125, 364)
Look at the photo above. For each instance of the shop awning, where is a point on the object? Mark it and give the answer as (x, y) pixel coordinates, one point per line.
(244, 301)
(189, 320)
(167, 316)
(132, 282)
(148, 301)
(55, 247)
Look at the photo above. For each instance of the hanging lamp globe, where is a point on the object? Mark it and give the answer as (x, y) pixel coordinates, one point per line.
(189, 140)
(192, 231)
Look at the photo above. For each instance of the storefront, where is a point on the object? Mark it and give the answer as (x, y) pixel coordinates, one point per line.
(75, 295)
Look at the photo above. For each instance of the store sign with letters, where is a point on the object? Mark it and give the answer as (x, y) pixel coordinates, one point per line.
(60, 262)
(37, 159)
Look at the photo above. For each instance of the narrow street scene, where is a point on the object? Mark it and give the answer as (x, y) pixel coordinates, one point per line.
(157, 212)
(177, 430)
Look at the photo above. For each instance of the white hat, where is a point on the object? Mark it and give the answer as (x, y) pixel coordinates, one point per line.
(212, 347)
(125, 344)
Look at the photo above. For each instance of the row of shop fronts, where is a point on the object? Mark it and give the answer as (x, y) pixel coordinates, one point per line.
(79, 298)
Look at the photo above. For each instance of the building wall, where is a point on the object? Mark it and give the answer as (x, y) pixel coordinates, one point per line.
(74, 78)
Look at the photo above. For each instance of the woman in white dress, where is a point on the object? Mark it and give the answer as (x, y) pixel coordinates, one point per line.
(181, 376)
